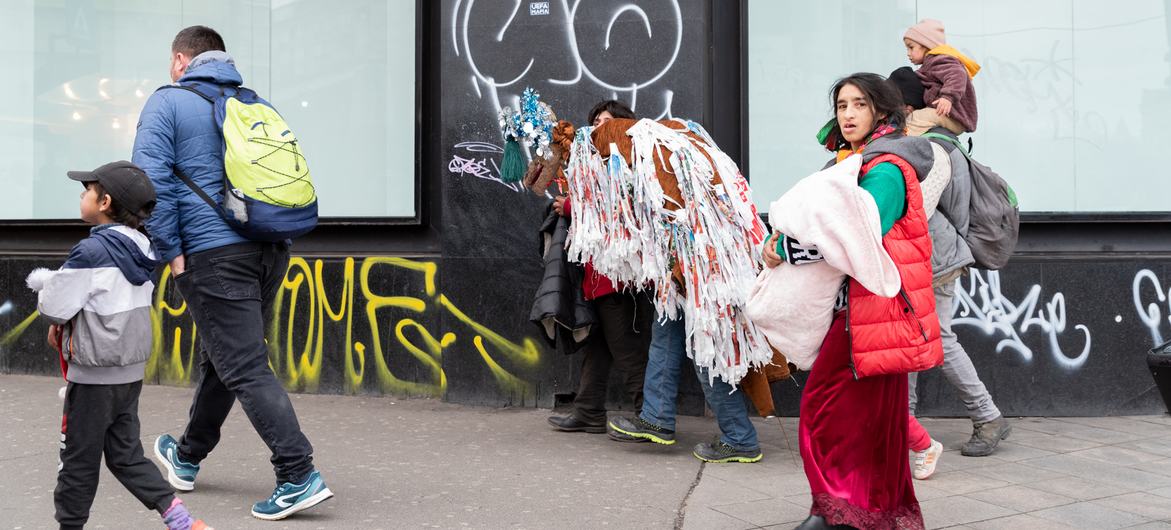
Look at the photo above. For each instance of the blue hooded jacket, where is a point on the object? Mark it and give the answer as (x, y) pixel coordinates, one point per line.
(177, 129)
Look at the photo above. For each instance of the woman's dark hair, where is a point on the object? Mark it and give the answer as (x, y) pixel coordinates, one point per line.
(884, 98)
(616, 109)
(117, 213)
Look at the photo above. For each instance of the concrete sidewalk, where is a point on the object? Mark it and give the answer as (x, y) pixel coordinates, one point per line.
(425, 464)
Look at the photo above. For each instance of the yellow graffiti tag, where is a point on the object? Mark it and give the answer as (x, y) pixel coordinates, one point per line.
(16, 332)
(304, 311)
(170, 367)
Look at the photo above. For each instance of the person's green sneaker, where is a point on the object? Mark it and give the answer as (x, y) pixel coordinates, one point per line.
(288, 498)
(640, 429)
(722, 453)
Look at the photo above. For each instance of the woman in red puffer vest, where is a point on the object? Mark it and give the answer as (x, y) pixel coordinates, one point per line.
(854, 422)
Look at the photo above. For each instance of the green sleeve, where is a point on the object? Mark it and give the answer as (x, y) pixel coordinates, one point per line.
(885, 183)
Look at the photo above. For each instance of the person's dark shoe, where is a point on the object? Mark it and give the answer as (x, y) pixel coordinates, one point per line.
(570, 423)
(817, 522)
(722, 453)
(626, 438)
(986, 436)
(639, 428)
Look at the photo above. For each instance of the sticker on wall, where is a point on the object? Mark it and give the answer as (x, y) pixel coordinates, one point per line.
(538, 8)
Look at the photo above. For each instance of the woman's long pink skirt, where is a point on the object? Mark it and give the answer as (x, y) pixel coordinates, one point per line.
(853, 436)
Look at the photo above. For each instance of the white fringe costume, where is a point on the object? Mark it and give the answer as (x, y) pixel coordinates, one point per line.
(620, 224)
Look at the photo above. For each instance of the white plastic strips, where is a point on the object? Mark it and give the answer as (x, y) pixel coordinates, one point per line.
(620, 224)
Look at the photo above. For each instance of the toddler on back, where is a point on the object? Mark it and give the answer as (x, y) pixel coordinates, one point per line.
(946, 75)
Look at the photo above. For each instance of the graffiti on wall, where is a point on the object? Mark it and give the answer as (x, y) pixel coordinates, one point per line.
(573, 52)
(478, 160)
(1147, 288)
(386, 340)
(583, 60)
(984, 306)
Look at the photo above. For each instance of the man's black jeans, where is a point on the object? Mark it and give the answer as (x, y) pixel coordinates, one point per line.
(229, 292)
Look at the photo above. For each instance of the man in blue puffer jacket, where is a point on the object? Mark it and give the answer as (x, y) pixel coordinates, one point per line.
(228, 281)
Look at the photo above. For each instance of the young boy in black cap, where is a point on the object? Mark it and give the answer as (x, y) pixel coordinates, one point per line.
(99, 304)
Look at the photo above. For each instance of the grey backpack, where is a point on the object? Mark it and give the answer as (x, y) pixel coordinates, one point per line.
(995, 215)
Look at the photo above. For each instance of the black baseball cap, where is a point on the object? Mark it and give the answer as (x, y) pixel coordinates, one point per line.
(125, 183)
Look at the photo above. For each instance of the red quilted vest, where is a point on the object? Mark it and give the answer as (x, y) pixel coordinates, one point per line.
(898, 335)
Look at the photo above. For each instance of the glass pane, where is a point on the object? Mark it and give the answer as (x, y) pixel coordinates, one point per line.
(94, 65)
(796, 52)
(1122, 61)
(1070, 92)
(348, 88)
(1025, 91)
(78, 72)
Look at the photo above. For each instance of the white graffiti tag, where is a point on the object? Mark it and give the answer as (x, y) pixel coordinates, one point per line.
(629, 82)
(479, 163)
(1151, 315)
(982, 305)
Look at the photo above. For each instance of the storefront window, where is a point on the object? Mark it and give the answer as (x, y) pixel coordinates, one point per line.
(77, 73)
(1071, 94)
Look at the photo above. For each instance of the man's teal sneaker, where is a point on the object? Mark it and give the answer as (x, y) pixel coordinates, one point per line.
(180, 474)
(288, 498)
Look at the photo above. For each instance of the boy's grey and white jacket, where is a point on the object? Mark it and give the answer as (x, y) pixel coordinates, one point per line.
(102, 298)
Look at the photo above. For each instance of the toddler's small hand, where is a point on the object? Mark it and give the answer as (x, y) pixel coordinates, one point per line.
(55, 336)
(942, 106)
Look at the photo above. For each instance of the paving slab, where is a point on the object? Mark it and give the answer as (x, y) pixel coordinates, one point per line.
(398, 463)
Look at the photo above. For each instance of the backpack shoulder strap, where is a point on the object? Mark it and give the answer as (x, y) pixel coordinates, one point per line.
(191, 89)
(178, 172)
(948, 139)
(199, 191)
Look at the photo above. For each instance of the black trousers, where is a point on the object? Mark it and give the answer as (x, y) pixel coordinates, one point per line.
(620, 340)
(229, 291)
(103, 419)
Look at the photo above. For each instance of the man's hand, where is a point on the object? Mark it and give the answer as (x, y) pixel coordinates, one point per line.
(771, 258)
(559, 205)
(178, 265)
(55, 336)
(942, 106)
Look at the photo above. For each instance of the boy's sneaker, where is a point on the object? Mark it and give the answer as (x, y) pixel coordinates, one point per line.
(986, 436)
(926, 459)
(641, 429)
(722, 453)
(288, 498)
(180, 474)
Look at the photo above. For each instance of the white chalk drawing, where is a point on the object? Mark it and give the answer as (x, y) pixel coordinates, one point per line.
(983, 306)
(1151, 315)
(634, 81)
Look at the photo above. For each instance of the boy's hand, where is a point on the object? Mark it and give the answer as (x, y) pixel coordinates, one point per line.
(55, 336)
(559, 205)
(771, 258)
(178, 265)
(942, 106)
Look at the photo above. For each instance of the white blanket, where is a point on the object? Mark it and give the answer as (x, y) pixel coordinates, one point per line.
(793, 304)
